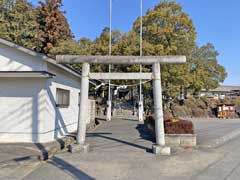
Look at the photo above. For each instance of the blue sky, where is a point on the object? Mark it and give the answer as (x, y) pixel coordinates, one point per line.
(216, 21)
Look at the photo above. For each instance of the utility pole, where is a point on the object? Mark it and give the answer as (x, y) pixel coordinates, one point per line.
(109, 102)
(140, 104)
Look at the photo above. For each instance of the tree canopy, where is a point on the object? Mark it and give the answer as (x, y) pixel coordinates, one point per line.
(205, 71)
(52, 25)
(17, 22)
(40, 28)
(167, 30)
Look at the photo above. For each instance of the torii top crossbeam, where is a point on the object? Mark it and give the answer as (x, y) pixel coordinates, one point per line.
(73, 59)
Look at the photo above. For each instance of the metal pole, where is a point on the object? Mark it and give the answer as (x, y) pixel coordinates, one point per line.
(158, 109)
(83, 115)
(140, 104)
(109, 102)
(141, 26)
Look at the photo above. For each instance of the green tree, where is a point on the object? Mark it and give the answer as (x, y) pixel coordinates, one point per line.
(100, 46)
(168, 30)
(205, 70)
(17, 22)
(72, 47)
(53, 27)
(86, 45)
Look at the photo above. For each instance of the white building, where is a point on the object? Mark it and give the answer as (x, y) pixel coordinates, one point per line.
(38, 98)
(221, 92)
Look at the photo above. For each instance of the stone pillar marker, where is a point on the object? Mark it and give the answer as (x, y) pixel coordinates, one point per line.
(155, 61)
(140, 110)
(109, 110)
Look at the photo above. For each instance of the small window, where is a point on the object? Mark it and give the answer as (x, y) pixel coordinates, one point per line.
(63, 98)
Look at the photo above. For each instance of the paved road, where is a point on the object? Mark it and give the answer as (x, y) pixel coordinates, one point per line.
(211, 130)
(120, 151)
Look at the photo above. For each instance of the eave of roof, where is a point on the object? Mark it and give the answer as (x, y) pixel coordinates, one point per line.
(223, 88)
(226, 89)
(42, 56)
(26, 74)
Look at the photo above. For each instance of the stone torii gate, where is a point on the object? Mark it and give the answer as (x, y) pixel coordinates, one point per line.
(155, 61)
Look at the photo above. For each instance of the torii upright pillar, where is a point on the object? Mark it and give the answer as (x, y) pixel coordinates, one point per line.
(159, 147)
(83, 104)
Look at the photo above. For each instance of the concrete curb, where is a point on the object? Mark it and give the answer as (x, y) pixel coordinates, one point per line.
(44, 151)
(47, 152)
(181, 140)
(63, 144)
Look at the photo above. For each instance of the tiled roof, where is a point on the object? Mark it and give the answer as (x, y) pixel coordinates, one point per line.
(226, 89)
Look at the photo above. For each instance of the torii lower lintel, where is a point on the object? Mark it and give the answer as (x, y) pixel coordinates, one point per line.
(155, 61)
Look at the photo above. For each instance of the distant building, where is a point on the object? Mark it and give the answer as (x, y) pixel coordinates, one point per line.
(222, 92)
(226, 110)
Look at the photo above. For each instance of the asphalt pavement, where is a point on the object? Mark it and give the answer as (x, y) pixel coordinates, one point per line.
(121, 150)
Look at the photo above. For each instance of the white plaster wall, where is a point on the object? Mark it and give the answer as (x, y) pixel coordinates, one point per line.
(28, 112)
(27, 106)
(22, 109)
(61, 121)
(12, 59)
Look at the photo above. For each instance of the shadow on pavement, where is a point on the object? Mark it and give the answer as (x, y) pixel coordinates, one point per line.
(144, 133)
(125, 119)
(70, 169)
(43, 150)
(103, 135)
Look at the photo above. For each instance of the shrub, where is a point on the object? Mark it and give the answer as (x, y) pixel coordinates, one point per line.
(180, 111)
(197, 112)
(179, 127)
(190, 103)
(172, 125)
(201, 104)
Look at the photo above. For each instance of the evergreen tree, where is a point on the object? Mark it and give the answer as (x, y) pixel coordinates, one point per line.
(17, 22)
(205, 71)
(52, 25)
(167, 30)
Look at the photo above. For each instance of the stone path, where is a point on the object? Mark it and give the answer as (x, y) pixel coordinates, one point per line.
(126, 133)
